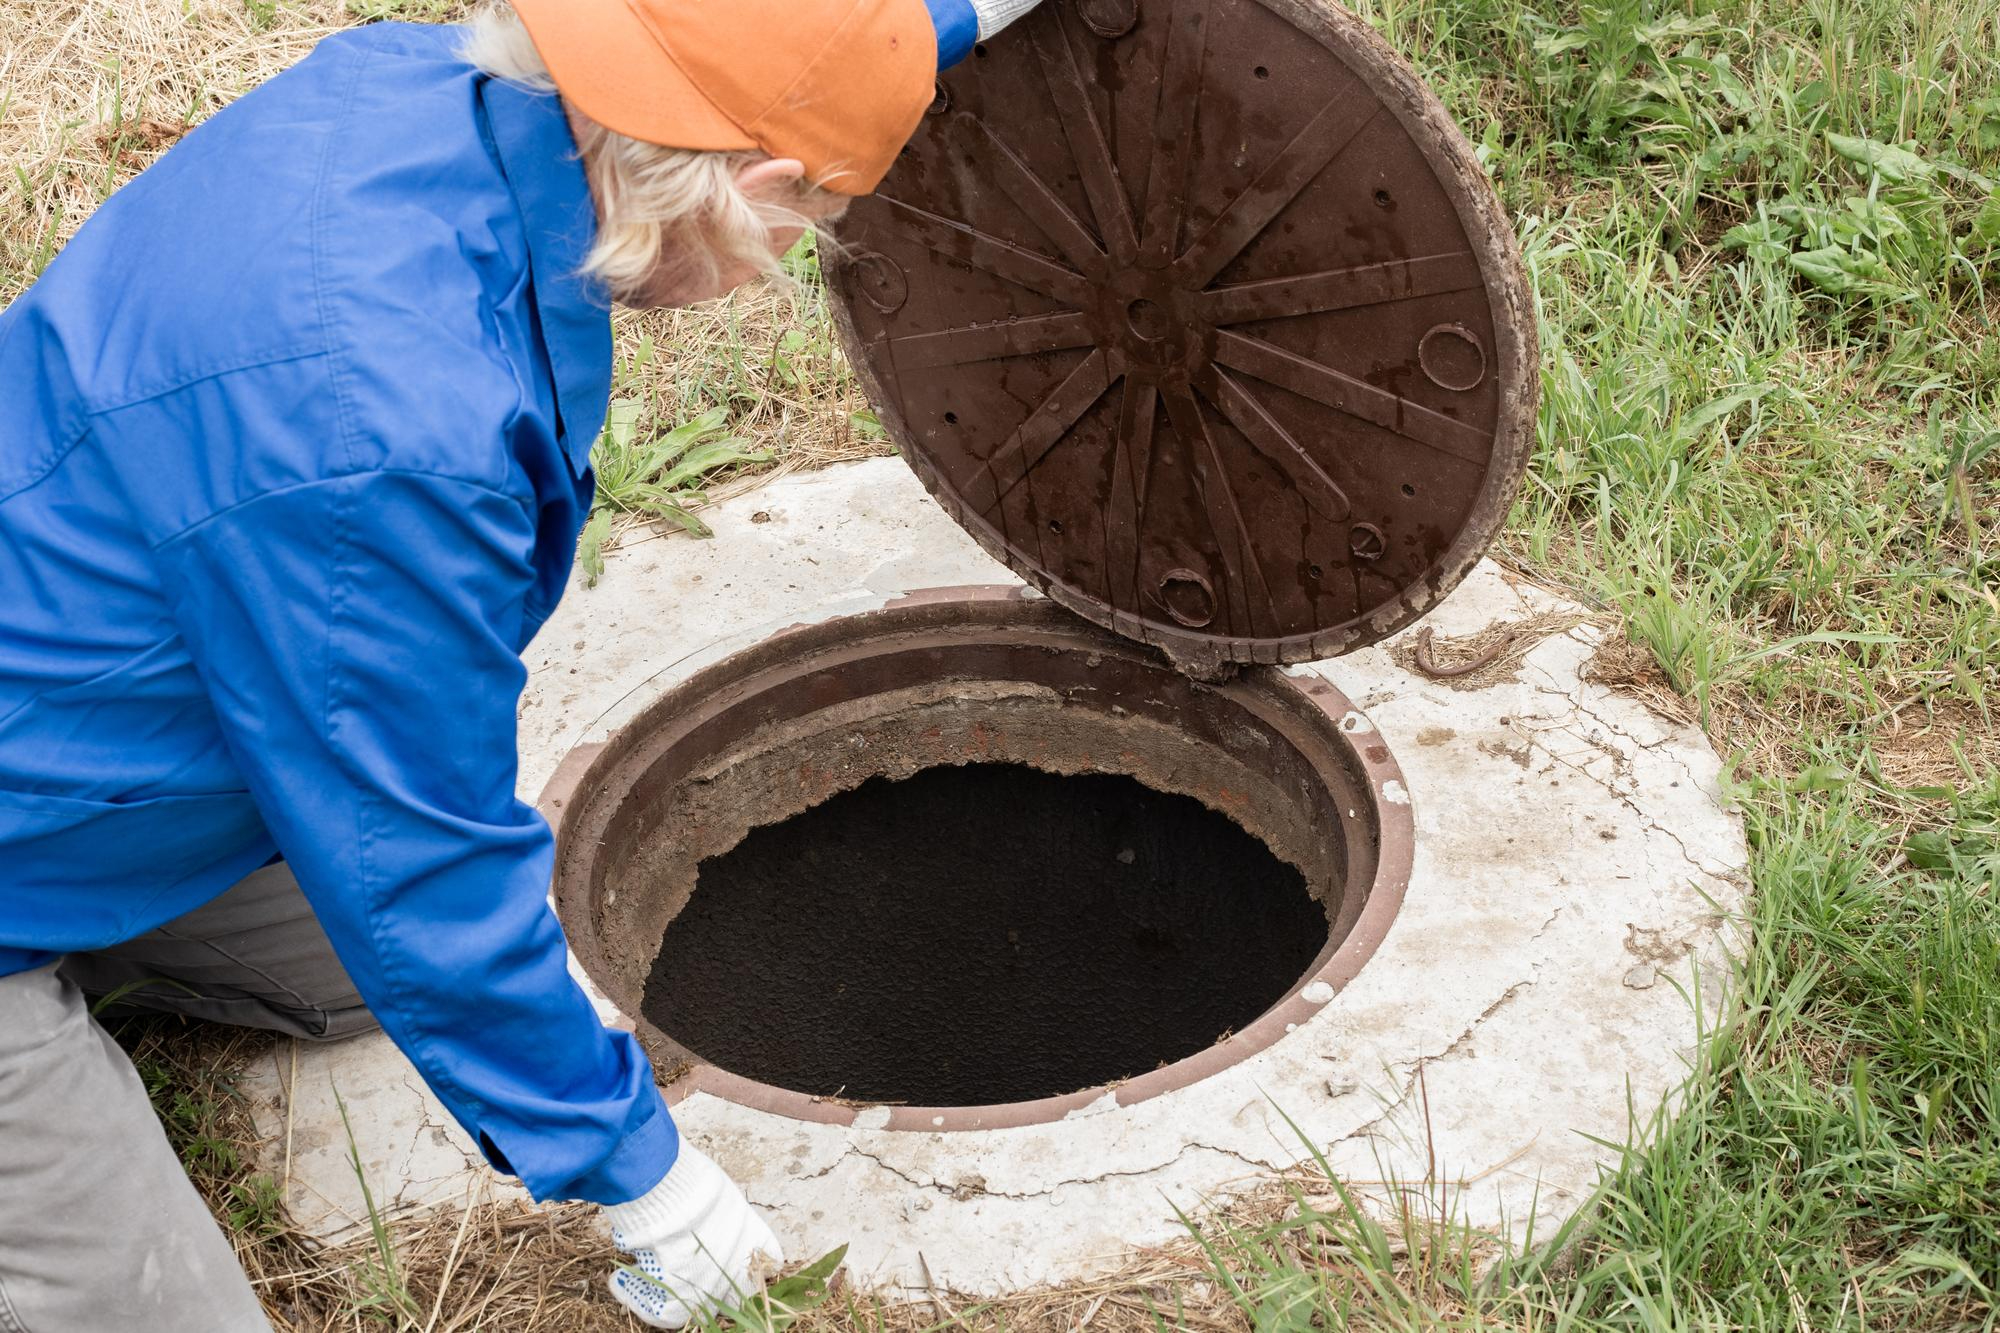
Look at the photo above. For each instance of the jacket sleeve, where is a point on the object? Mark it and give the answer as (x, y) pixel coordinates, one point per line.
(357, 637)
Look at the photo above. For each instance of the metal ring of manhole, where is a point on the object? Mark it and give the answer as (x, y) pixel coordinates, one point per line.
(1207, 323)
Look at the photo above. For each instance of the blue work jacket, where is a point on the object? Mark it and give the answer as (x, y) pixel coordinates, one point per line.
(294, 449)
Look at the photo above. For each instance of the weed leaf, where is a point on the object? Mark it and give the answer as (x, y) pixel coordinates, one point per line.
(590, 549)
(1886, 160)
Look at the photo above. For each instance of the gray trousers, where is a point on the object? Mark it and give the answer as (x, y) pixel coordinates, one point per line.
(99, 1228)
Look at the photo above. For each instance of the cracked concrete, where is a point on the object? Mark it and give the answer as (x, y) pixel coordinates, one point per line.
(1566, 838)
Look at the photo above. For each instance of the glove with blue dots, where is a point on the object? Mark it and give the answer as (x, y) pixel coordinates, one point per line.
(696, 1244)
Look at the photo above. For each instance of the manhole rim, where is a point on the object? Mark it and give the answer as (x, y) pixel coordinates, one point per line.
(607, 743)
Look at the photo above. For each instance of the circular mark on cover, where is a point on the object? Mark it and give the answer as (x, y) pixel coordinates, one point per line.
(881, 281)
(1109, 18)
(1188, 597)
(1149, 320)
(1452, 357)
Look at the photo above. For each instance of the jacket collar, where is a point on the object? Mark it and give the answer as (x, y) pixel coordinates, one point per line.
(538, 155)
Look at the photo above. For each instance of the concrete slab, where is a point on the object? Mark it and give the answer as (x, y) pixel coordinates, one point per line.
(1575, 872)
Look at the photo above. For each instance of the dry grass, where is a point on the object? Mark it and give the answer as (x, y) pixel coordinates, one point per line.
(1622, 665)
(1936, 743)
(94, 92)
(488, 1266)
(1486, 656)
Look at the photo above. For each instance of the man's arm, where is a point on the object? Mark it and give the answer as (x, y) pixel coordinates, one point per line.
(357, 637)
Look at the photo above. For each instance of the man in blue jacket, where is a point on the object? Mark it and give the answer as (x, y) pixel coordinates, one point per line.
(294, 449)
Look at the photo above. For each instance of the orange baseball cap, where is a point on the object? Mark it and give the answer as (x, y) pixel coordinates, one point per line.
(838, 84)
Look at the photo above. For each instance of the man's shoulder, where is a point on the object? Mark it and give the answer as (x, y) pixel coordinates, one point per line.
(304, 288)
(342, 178)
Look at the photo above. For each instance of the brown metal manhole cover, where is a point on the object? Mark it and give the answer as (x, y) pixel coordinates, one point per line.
(1201, 316)
(976, 860)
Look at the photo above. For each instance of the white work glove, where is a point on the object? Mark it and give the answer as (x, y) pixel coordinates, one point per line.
(997, 14)
(693, 1235)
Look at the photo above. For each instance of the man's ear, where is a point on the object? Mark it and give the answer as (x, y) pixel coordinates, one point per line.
(770, 176)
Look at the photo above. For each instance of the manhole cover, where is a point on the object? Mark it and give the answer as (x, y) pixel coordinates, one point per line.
(980, 934)
(1201, 316)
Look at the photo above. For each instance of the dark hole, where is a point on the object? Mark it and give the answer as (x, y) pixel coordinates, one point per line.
(1409, 489)
(1261, 72)
(1382, 199)
(1055, 526)
(987, 933)
(951, 418)
(1316, 571)
(979, 50)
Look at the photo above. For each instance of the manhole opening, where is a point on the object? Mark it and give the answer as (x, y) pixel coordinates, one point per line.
(980, 934)
(878, 859)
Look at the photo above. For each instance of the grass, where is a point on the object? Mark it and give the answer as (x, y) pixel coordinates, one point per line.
(1763, 238)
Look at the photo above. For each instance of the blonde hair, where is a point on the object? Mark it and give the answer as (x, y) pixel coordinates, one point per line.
(655, 204)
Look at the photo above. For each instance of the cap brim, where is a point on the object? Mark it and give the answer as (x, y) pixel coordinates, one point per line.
(590, 48)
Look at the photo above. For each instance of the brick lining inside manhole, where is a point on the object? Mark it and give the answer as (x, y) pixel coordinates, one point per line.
(1255, 789)
(981, 933)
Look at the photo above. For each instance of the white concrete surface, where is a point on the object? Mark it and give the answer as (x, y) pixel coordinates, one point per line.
(1575, 869)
